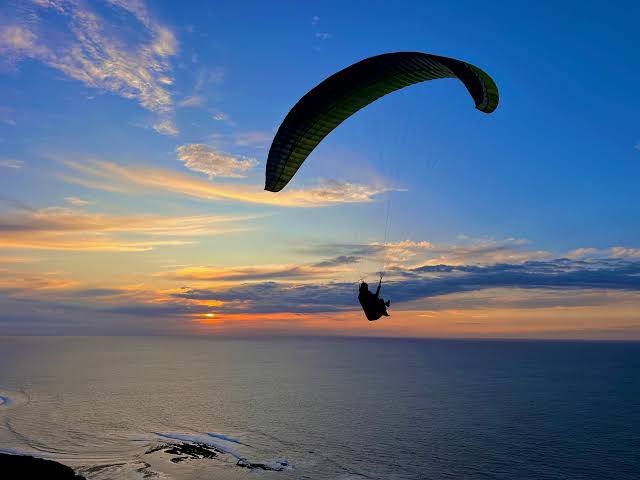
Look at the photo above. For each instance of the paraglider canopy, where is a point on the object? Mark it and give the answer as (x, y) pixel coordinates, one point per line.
(341, 95)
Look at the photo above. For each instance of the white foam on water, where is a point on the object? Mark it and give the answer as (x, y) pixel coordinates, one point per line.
(281, 463)
(10, 399)
(15, 451)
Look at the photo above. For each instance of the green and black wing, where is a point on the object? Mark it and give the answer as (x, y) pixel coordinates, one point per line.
(344, 93)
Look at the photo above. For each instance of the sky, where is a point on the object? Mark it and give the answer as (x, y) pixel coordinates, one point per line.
(133, 142)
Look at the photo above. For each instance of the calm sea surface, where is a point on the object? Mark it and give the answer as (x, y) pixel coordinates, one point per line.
(325, 408)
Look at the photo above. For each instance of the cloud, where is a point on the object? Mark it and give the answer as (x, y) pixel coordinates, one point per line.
(403, 254)
(527, 284)
(426, 283)
(203, 78)
(581, 253)
(15, 204)
(637, 145)
(191, 101)
(57, 228)
(485, 251)
(204, 159)
(330, 267)
(559, 296)
(78, 42)
(257, 139)
(16, 40)
(166, 127)
(407, 248)
(333, 192)
(11, 163)
(273, 297)
(12, 283)
(338, 261)
(224, 118)
(77, 202)
(322, 36)
(5, 260)
(625, 252)
(113, 177)
(602, 253)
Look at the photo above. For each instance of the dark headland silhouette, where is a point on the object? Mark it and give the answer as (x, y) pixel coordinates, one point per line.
(14, 467)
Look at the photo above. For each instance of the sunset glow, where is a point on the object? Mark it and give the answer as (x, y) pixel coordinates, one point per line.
(132, 168)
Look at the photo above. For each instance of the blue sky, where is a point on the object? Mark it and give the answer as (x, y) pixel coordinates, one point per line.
(133, 138)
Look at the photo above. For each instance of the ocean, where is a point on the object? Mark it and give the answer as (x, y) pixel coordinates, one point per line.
(324, 408)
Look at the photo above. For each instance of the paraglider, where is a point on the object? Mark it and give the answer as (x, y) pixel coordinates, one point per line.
(373, 306)
(341, 95)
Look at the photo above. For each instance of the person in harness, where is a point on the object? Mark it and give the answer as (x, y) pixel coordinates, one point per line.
(374, 307)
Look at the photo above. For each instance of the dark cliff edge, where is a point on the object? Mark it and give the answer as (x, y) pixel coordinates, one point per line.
(14, 467)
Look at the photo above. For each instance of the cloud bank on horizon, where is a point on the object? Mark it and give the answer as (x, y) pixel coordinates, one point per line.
(268, 298)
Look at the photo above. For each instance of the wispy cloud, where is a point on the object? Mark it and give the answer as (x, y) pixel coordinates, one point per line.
(69, 36)
(15, 204)
(117, 178)
(319, 34)
(6, 113)
(166, 127)
(256, 139)
(77, 202)
(203, 79)
(318, 270)
(21, 283)
(57, 228)
(191, 101)
(223, 117)
(625, 252)
(204, 159)
(11, 163)
(408, 253)
(602, 253)
(5, 260)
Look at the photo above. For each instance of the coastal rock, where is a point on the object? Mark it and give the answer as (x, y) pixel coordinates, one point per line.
(186, 450)
(272, 466)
